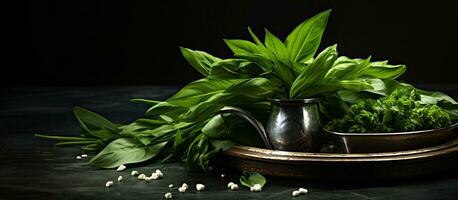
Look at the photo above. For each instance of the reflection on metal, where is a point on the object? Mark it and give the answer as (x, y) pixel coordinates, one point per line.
(398, 141)
(344, 166)
(294, 124)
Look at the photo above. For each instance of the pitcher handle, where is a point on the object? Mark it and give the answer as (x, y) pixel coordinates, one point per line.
(251, 119)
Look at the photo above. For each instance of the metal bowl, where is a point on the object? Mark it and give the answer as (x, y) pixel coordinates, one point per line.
(388, 142)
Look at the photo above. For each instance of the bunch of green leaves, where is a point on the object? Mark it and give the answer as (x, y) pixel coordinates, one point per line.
(401, 111)
(187, 127)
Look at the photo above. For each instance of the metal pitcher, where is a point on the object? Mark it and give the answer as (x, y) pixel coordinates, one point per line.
(293, 125)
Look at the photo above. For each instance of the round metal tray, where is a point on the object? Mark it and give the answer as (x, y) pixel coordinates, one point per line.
(356, 166)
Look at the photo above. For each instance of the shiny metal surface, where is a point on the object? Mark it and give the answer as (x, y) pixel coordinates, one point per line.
(386, 142)
(293, 125)
(341, 166)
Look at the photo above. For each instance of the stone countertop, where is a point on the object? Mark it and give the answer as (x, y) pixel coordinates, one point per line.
(32, 168)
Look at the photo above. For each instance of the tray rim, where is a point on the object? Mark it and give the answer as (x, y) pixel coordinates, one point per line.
(266, 155)
(451, 127)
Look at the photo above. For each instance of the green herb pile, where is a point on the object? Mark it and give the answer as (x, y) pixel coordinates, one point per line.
(402, 110)
(185, 127)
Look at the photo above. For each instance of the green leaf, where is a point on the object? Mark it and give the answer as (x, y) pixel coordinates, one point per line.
(385, 71)
(125, 151)
(315, 72)
(145, 101)
(65, 138)
(277, 47)
(140, 125)
(332, 107)
(256, 39)
(167, 108)
(263, 62)
(242, 46)
(243, 132)
(94, 124)
(191, 95)
(200, 60)
(249, 179)
(248, 91)
(279, 55)
(234, 69)
(163, 129)
(435, 97)
(216, 128)
(319, 90)
(178, 141)
(305, 39)
(93, 119)
(359, 70)
(196, 154)
(341, 67)
(201, 90)
(222, 145)
(355, 85)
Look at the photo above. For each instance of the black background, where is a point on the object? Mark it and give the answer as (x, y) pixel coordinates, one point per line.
(136, 42)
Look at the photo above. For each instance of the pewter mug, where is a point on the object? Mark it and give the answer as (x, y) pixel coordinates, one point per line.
(293, 125)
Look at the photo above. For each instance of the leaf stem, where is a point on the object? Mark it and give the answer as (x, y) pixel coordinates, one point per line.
(74, 143)
(145, 101)
(65, 138)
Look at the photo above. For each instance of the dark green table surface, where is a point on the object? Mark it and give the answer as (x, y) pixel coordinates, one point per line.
(31, 168)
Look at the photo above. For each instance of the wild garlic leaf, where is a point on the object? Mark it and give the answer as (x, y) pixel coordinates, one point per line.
(451, 109)
(140, 125)
(242, 46)
(276, 46)
(256, 88)
(319, 89)
(200, 60)
(164, 107)
(243, 132)
(145, 101)
(178, 141)
(355, 85)
(256, 39)
(234, 69)
(125, 151)
(341, 67)
(359, 70)
(305, 39)
(332, 106)
(385, 71)
(221, 145)
(190, 95)
(160, 130)
(284, 73)
(93, 119)
(299, 68)
(94, 124)
(196, 154)
(201, 90)
(435, 97)
(262, 61)
(315, 72)
(248, 91)
(249, 179)
(279, 55)
(216, 128)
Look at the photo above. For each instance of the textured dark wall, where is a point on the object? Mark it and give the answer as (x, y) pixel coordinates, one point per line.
(136, 42)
